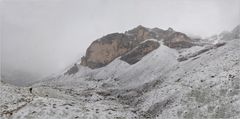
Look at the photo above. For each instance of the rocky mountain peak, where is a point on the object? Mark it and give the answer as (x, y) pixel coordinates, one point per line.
(178, 40)
(170, 29)
(236, 31)
(104, 50)
(137, 29)
(140, 33)
(140, 27)
(234, 34)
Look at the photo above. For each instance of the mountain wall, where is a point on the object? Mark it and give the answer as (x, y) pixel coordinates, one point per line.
(104, 50)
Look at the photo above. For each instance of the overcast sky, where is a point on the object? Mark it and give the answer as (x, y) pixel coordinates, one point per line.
(45, 36)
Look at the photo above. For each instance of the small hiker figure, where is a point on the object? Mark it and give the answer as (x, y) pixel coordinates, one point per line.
(30, 89)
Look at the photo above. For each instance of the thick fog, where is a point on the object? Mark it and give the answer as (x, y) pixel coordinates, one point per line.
(45, 36)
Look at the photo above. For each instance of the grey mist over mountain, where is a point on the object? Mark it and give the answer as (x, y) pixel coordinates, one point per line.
(41, 37)
(128, 59)
(143, 73)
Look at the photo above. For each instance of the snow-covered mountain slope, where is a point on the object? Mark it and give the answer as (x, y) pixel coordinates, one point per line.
(163, 58)
(57, 103)
(206, 86)
(202, 81)
(225, 36)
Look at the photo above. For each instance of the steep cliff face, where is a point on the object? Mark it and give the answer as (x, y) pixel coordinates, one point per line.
(104, 50)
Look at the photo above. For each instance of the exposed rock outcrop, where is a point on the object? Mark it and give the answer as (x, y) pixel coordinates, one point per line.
(140, 51)
(178, 40)
(234, 34)
(183, 58)
(104, 50)
(141, 33)
(74, 69)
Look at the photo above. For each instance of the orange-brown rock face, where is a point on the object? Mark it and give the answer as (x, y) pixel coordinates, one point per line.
(104, 50)
(141, 33)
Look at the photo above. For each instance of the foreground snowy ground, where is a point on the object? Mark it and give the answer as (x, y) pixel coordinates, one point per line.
(200, 82)
(19, 103)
